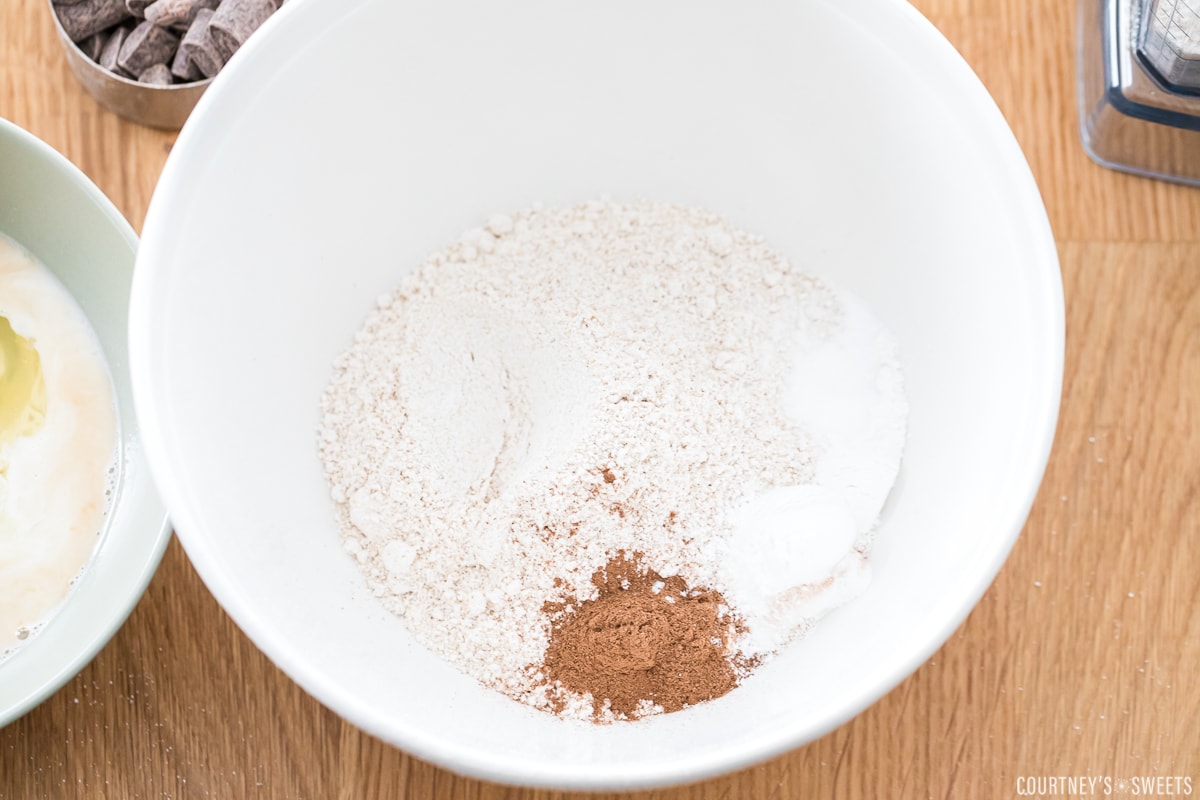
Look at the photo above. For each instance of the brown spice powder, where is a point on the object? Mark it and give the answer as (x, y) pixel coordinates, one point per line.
(644, 638)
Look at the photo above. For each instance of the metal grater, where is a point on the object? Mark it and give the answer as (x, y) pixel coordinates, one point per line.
(1169, 42)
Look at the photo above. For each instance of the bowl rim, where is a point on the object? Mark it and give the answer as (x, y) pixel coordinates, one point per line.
(973, 102)
(56, 668)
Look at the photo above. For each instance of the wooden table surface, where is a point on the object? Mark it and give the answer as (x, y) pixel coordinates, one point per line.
(1082, 658)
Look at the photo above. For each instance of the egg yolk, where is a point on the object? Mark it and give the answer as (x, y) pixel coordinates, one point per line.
(22, 387)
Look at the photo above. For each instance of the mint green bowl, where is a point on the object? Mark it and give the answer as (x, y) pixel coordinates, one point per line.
(51, 209)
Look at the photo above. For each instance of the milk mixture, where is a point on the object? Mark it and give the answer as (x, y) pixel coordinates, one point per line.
(58, 436)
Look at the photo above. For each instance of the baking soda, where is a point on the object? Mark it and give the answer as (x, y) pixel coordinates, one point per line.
(564, 385)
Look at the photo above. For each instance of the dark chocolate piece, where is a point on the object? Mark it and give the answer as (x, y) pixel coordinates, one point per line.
(198, 46)
(112, 47)
(184, 69)
(157, 75)
(92, 45)
(145, 46)
(173, 13)
(234, 21)
(197, 7)
(81, 20)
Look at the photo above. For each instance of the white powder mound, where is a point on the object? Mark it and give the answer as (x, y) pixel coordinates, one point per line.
(566, 384)
(797, 552)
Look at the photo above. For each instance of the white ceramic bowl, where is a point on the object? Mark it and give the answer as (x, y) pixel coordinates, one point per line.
(347, 141)
(51, 208)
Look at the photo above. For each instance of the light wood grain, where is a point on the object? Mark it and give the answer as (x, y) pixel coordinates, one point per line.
(1080, 659)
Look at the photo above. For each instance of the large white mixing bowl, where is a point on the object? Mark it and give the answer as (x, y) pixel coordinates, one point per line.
(348, 140)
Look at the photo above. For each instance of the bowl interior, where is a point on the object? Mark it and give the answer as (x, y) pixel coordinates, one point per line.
(50, 208)
(346, 142)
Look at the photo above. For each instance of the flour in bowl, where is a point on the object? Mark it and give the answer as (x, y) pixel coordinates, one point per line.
(567, 398)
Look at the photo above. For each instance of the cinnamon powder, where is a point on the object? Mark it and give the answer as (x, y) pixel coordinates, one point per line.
(645, 644)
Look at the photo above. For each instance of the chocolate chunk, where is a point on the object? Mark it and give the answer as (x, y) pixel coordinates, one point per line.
(184, 68)
(234, 21)
(197, 5)
(173, 13)
(112, 47)
(92, 45)
(81, 20)
(165, 12)
(198, 46)
(145, 46)
(158, 75)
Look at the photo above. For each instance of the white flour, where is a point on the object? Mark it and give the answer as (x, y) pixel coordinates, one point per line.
(568, 383)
